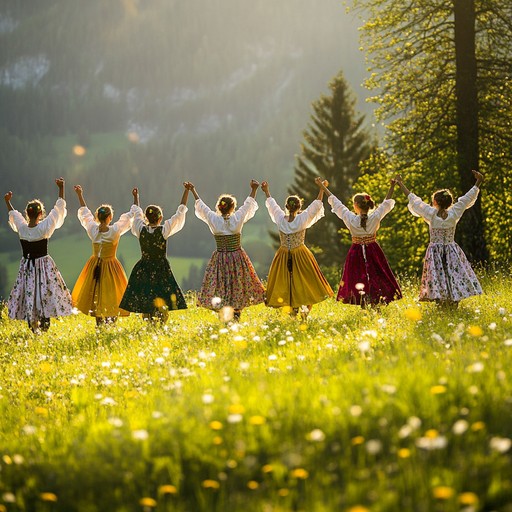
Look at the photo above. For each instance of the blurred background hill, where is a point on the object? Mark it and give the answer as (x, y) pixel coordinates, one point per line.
(143, 93)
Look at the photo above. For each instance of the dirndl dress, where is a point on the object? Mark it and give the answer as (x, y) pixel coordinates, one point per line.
(40, 291)
(367, 276)
(152, 286)
(101, 284)
(447, 274)
(294, 278)
(230, 278)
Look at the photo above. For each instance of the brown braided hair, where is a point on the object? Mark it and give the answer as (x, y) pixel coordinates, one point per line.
(33, 209)
(103, 212)
(293, 204)
(153, 213)
(365, 203)
(226, 204)
(443, 198)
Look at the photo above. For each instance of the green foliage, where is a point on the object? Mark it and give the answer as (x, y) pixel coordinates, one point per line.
(399, 408)
(411, 54)
(335, 143)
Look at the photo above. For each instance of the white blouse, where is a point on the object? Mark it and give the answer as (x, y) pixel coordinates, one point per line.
(170, 226)
(115, 230)
(44, 229)
(302, 221)
(429, 213)
(230, 225)
(353, 220)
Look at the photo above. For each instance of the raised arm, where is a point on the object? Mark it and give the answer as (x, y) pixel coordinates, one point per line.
(479, 177)
(135, 194)
(254, 188)
(60, 183)
(184, 197)
(192, 189)
(389, 195)
(264, 187)
(80, 195)
(322, 184)
(403, 188)
(7, 198)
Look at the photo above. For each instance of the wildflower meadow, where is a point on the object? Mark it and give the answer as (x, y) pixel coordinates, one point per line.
(406, 407)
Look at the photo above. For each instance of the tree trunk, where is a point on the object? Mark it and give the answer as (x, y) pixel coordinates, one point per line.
(470, 234)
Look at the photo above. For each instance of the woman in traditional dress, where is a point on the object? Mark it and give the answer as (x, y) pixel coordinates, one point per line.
(152, 289)
(295, 279)
(230, 282)
(39, 292)
(367, 277)
(447, 274)
(102, 282)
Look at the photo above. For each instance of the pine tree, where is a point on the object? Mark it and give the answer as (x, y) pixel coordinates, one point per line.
(335, 142)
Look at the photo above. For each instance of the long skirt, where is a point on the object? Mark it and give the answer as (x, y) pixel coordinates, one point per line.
(39, 292)
(367, 277)
(98, 293)
(304, 285)
(447, 274)
(152, 288)
(230, 280)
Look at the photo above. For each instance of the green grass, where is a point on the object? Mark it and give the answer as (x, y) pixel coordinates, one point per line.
(406, 408)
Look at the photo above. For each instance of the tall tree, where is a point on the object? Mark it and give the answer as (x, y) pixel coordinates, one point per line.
(335, 142)
(434, 64)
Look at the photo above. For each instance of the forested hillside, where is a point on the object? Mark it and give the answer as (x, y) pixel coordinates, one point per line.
(216, 92)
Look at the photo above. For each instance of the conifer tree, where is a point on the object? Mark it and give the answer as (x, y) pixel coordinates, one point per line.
(335, 142)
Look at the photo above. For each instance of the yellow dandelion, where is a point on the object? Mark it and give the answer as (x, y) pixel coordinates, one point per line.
(147, 502)
(443, 492)
(236, 409)
(253, 485)
(358, 508)
(478, 425)
(7, 459)
(48, 496)
(41, 411)
(216, 425)
(210, 484)
(167, 489)
(257, 420)
(438, 390)
(303, 327)
(267, 468)
(468, 498)
(283, 492)
(286, 310)
(280, 300)
(413, 314)
(404, 453)
(431, 433)
(159, 302)
(357, 440)
(475, 330)
(231, 463)
(45, 367)
(217, 440)
(3, 508)
(300, 473)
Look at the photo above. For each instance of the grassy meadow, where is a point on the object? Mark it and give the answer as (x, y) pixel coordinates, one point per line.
(402, 408)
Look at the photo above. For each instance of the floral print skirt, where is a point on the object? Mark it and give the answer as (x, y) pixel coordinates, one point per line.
(39, 292)
(447, 274)
(230, 280)
(152, 288)
(304, 285)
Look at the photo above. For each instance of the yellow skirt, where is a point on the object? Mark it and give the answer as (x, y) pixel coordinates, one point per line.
(306, 284)
(100, 297)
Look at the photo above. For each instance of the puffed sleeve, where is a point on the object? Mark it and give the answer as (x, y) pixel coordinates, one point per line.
(339, 209)
(384, 208)
(246, 211)
(16, 220)
(274, 210)
(87, 220)
(465, 202)
(176, 222)
(138, 221)
(419, 208)
(125, 220)
(55, 219)
(203, 211)
(313, 213)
